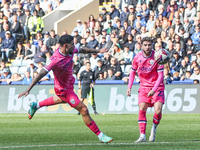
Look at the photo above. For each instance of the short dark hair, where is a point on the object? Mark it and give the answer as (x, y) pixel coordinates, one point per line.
(158, 37)
(118, 20)
(27, 42)
(99, 61)
(3, 61)
(177, 35)
(65, 39)
(147, 39)
(188, 72)
(195, 80)
(130, 35)
(87, 63)
(111, 69)
(20, 43)
(186, 57)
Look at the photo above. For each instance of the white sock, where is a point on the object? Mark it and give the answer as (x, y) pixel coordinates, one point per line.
(100, 135)
(142, 135)
(38, 105)
(154, 127)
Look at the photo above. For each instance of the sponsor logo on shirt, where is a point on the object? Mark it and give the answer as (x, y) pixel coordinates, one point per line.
(90, 77)
(68, 64)
(145, 69)
(151, 62)
(72, 101)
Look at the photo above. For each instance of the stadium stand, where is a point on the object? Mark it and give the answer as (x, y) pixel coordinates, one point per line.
(121, 23)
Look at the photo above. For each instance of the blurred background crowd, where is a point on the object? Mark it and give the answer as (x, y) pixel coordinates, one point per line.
(172, 25)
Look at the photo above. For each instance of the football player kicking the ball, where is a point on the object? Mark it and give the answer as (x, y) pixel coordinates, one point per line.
(151, 92)
(61, 63)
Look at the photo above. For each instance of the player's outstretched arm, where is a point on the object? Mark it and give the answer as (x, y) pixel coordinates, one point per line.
(39, 76)
(91, 50)
(128, 92)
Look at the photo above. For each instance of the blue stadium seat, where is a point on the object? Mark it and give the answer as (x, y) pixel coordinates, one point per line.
(14, 69)
(127, 69)
(22, 70)
(183, 82)
(4, 83)
(109, 82)
(16, 83)
(16, 63)
(25, 63)
(47, 82)
(122, 67)
(106, 82)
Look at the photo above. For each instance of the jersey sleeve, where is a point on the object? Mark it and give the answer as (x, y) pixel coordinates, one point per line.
(51, 64)
(76, 50)
(134, 64)
(133, 72)
(160, 68)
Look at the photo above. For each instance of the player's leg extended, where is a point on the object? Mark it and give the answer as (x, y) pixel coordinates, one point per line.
(83, 96)
(91, 124)
(156, 120)
(82, 100)
(47, 102)
(142, 121)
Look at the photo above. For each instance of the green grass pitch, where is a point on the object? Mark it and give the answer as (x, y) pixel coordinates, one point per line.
(67, 131)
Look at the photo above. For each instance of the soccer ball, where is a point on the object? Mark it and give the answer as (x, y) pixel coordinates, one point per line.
(161, 56)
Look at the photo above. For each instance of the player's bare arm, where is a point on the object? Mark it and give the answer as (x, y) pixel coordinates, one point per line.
(128, 92)
(41, 74)
(118, 73)
(92, 84)
(91, 50)
(158, 82)
(151, 93)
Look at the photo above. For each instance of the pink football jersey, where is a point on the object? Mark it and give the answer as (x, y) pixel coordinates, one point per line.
(147, 69)
(62, 67)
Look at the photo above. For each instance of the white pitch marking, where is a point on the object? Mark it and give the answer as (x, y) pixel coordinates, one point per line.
(93, 144)
(25, 115)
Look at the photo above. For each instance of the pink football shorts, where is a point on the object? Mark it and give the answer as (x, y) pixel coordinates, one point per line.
(159, 96)
(69, 97)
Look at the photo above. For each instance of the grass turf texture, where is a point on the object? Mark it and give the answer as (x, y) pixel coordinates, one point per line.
(67, 131)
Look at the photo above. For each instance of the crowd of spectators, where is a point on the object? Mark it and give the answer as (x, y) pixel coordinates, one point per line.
(20, 20)
(172, 25)
(22, 36)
